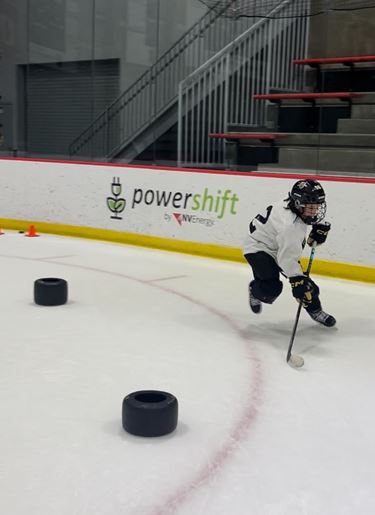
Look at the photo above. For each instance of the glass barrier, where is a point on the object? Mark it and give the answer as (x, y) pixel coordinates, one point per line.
(225, 84)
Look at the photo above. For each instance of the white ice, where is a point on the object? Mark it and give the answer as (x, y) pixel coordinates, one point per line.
(254, 437)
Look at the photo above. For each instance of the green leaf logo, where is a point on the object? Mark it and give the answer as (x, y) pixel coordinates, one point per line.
(120, 205)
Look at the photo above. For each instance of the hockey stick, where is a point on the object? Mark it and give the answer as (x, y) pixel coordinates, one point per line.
(293, 359)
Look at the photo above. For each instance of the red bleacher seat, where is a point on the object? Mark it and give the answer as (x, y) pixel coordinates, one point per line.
(341, 95)
(266, 136)
(316, 61)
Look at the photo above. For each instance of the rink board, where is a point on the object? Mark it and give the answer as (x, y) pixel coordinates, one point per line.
(202, 212)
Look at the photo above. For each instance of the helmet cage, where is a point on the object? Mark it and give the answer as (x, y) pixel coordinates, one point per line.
(314, 219)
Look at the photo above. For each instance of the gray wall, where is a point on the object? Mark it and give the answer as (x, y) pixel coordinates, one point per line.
(342, 33)
(48, 31)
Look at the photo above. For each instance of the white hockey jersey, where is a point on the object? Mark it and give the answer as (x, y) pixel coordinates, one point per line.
(280, 233)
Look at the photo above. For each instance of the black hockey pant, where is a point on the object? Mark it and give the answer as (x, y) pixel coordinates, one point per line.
(267, 286)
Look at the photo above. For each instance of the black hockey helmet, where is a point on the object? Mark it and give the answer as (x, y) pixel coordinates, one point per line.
(305, 192)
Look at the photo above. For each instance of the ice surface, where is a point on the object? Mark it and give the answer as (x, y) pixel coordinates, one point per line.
(254, 437)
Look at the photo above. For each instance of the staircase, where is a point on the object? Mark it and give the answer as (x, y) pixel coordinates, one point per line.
(148, 108)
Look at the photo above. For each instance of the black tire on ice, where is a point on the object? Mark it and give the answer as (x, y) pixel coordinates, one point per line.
(50, 291)
(149, 413)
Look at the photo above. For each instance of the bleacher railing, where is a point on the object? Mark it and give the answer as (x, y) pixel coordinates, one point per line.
(219, 93)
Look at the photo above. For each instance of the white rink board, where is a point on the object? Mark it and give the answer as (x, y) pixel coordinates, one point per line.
(203, 207)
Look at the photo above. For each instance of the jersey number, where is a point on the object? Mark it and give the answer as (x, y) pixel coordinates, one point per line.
(262, 219)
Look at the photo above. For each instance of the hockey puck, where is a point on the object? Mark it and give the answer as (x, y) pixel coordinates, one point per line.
(296, 361)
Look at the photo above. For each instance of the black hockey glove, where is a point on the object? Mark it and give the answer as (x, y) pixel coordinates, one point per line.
(318, 233)
(302, 289)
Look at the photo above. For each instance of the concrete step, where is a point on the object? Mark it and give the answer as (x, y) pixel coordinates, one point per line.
(365, 98)
(345, 159)
(327, 140)
(363, 111)
(355, 126)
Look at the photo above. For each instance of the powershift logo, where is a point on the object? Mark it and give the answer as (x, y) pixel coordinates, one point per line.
(212, 205)
(220, 203)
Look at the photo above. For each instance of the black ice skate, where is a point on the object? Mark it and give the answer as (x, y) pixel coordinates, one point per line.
(255, 304)
(323, 318)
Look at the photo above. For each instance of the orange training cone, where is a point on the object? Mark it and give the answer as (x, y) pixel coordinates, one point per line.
(31, 232)
(1, 232)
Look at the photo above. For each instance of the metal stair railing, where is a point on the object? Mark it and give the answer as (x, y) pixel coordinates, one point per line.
(157, 88)
(219, 93)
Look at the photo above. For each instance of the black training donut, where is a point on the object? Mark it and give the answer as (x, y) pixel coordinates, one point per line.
(149, 413)
(50, 291)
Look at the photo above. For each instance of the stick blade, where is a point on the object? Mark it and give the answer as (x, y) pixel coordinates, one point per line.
(296, 361)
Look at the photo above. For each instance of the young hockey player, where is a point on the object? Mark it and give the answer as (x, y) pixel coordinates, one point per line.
(275, 243)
